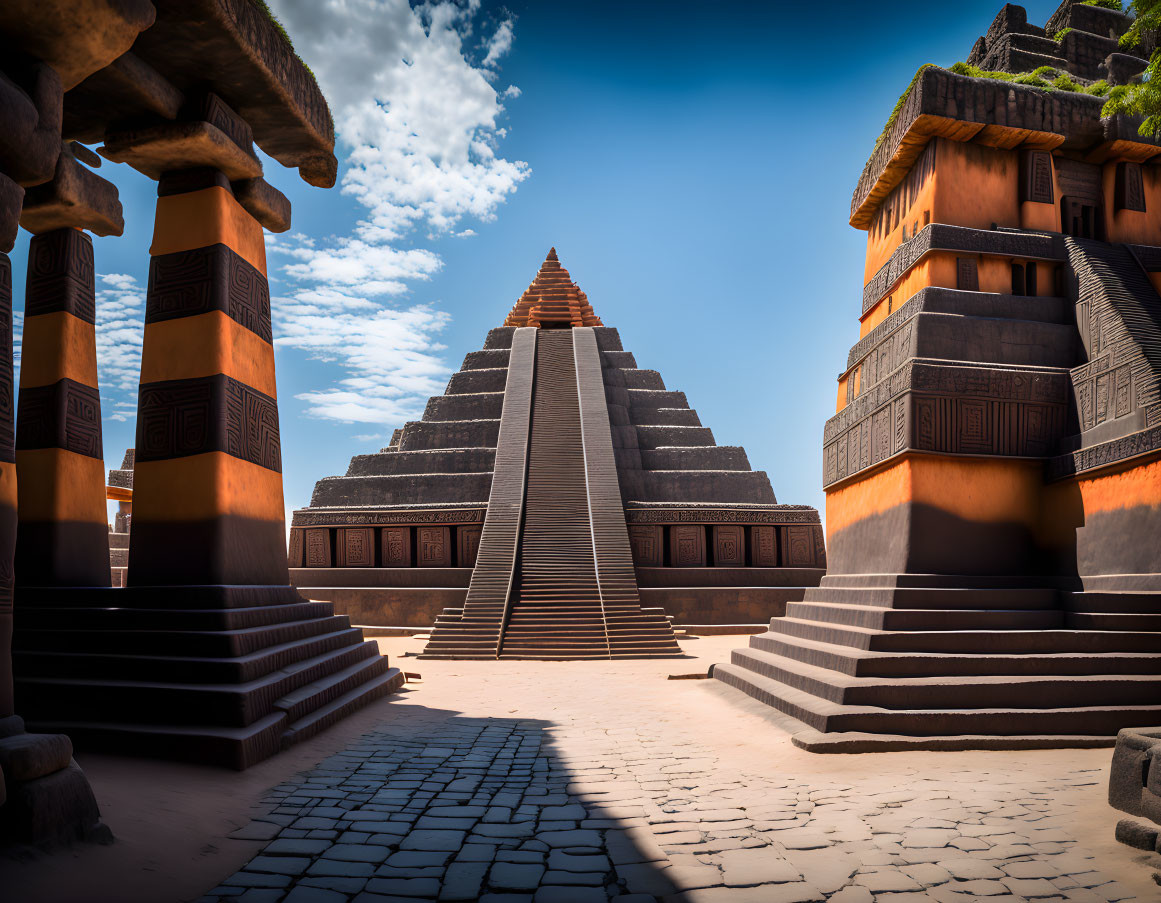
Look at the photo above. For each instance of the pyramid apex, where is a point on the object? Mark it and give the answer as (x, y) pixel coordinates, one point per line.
(553, 300)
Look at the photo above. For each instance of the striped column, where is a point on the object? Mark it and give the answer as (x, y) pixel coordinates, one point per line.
(63, 533)
(207, 484)
(7, 486)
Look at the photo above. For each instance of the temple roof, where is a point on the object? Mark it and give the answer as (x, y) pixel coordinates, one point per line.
(553, 300)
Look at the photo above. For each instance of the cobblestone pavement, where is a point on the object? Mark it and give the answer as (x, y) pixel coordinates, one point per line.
(606, 800)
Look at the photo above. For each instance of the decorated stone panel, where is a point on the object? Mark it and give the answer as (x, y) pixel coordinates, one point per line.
(396, 547)
(763, 546)
(687, 546)
(433, 547)
(318, 548)
(467, 545)
(647, 544)
(729, 546)
(356, 547)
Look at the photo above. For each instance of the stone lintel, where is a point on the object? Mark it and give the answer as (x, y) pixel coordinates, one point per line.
(126, 92)
(264, 202)
(400, 515)
(75, 37)
(171, 146)
(661, 513)
(76, 197)
(236, 47)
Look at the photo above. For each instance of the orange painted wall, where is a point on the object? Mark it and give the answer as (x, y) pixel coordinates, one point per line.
(978, 186)
(986, 490)
(1067, 503)
(880, 247)
(1131, 225)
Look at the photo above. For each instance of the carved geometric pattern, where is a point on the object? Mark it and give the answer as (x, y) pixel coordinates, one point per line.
(356, 547)
(7, 420)
(966, 275)
(1036, 177)
(182, 417)
(308, 518)
(953, 409)
(188, 283)
(295, 552)
(66, 415)
(729, 546)
(467, 545)
(318, 547)
(395, 543)
(763, 547)
(647, 545)
(216, 112)
(797, 547)
(687, 546)
(1095, 456)
(61, 275)
(1130, 189)
(433, 545)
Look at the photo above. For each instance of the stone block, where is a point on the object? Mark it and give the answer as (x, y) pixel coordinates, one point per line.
(179, 146)
(264, 202)
(31, 113)
(11, 201)
(52, 809)
(25, 757)
(74, 197)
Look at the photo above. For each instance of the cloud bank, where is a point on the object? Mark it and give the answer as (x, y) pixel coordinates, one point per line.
(418, 118)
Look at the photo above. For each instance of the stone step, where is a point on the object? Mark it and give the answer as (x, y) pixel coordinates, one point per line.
(953, 692)
(401, 489)
(419, 435)
(929, 598)
(874, 618)
(967, 641)
(492, 358)
(826, 716)
(705, 457)
(1112, 621)
(665, 417)
(177, 642)
(170, 619)
(650, 437)
(118, 540)
(341, 646)
(119, 558)
(443, 460)
(657, 398)
(473, 406)
(229, 747)
(713, 486)
(1112, 602)
(866, 663)
(231, 704)
(320, 719)
(467, 382)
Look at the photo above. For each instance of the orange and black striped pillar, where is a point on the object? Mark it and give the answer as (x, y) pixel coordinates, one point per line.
(63, 534)
(207, 483)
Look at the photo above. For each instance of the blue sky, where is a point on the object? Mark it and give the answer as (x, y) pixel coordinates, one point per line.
(692, 163)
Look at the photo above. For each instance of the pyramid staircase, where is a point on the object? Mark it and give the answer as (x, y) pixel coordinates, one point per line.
(554, 576)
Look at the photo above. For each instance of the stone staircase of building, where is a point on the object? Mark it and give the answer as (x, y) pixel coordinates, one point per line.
(219, 675)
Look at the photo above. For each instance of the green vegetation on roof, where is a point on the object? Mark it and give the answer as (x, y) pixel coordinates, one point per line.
(1059, 36)
(1104, 4)
(264, 8)
(1143, 99)
(1046, 77)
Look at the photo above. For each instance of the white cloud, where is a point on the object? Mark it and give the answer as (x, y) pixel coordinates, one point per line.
(419, 132)
(120, 325)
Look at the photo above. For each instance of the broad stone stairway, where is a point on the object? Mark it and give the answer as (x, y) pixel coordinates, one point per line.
(554, 577)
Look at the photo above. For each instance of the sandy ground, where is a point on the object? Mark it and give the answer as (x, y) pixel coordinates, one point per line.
(172, 821)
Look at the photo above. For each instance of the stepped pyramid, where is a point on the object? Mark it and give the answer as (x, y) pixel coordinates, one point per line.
(993, 470)
(555, 502)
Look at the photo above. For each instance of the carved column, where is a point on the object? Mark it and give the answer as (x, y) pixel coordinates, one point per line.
(63, 537)
(207, 495)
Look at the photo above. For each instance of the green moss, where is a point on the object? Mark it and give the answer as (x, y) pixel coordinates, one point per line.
(1045, 77)
(1104, 4)
(1059, 36)
(264, 8)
